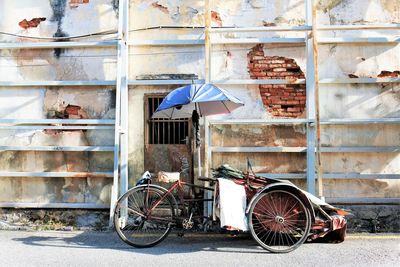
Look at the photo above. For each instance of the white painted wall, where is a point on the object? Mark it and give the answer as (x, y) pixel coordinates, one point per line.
(228, 62)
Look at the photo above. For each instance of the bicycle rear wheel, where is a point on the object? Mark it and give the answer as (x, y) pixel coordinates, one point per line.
(279, 221)
(143, 216)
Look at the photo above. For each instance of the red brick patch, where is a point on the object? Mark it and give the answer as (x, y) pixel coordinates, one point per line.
(76, 3)
(281, 100)
(33, 23)
(390, 74)
(216, 18)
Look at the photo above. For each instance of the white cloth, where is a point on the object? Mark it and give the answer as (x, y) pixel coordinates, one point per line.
(232, 200)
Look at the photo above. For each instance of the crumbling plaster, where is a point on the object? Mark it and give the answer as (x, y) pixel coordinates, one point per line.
(358, 11)
(228, 62)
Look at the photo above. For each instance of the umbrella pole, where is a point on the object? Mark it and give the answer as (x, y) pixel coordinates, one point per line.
(197, 145)
(199, 161)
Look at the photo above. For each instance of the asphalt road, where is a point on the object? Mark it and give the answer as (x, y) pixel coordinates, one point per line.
(105, 249)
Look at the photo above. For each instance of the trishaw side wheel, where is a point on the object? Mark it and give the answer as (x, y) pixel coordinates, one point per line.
(143, 216)
(279, 221)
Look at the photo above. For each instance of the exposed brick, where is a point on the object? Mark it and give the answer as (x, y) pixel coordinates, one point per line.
(276, 65)
(294, 109)
(33, 23)
(281, 100)
(392, 74)
(261, 66)
(278, 61)
(279, 69)
(215, 17)
(266, 86)
(256, 70)
(160, 7)
(263, 61)
(259, 74)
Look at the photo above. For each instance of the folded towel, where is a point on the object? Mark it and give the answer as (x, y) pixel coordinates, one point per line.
(232, 201)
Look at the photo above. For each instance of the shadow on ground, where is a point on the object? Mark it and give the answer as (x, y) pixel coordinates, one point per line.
(191, 242)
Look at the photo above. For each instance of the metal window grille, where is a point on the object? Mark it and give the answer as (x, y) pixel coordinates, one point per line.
(164, 131)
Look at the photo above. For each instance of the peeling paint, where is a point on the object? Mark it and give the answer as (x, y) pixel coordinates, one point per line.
(391, 74)
(33, 23)
(215, 17)
(338, 101)
(162, 8)
(327, 5)
(76, 3)
(76, 112)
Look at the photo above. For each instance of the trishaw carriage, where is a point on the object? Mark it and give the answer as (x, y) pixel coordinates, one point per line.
(280, 216)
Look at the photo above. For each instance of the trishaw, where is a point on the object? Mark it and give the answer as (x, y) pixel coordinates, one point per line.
(280, 216)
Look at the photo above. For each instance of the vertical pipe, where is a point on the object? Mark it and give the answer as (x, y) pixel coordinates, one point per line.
(123, 77)
(207, 43)
(310, 84)
(121, 65)
(207, 75)
(317, 117)
(152, 122)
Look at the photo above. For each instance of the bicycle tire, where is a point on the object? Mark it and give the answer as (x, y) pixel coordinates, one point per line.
(279, 221)
(143, 231)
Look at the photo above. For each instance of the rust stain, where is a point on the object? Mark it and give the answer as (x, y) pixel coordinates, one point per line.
(75, 112)
(269, 24)
(70, 112)
(389, 74)
(162, 8)
(88, 175)
(215, 17)
(33, 23)
(76, 3)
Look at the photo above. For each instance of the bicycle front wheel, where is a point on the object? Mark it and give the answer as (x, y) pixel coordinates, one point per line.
(279, 221)
(143, 216)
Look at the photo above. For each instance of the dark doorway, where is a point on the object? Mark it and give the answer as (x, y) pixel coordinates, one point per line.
(167, 142)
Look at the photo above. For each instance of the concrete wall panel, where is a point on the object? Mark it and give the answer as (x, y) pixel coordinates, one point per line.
(258, 136)
(263, 162)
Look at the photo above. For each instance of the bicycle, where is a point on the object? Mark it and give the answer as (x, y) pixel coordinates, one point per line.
(145, 214)
(279, 219)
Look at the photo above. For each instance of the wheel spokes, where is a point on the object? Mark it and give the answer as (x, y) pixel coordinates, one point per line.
(279, 221)
(140, 225)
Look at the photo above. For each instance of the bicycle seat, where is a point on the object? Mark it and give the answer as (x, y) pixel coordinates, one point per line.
(168, 177)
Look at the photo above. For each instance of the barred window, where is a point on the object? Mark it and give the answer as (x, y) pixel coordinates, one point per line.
(164, 131)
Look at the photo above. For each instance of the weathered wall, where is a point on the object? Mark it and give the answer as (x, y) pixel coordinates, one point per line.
(228, 62)
(57, 18)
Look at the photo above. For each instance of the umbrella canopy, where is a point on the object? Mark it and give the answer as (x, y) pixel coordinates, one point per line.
(206, 99)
